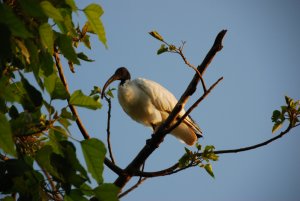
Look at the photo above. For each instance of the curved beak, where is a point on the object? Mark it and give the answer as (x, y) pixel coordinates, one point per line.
(108, 82)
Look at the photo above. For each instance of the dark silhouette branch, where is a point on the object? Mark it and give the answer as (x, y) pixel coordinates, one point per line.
(108, 130)
(160, 133)
(139, 182)
(175, 168)
(194, 105)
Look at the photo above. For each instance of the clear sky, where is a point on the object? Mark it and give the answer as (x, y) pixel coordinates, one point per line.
(260, 64)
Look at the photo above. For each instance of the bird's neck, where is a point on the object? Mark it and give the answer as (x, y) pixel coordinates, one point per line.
(124, 81)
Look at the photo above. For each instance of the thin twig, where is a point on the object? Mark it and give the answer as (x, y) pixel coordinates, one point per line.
(140, 181)
(174, 168)
(108, 130)
(54, 192)
(257, 145)
(180, 52)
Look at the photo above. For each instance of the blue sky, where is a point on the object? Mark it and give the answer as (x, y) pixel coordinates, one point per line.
(260, 65)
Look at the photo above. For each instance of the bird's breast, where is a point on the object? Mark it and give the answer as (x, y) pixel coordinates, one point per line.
(137, 104)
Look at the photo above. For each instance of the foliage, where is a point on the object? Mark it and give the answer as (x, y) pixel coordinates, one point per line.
(290, 112)
(34, 34)
(201, 157)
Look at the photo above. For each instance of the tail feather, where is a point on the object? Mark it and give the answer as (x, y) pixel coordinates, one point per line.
(188, 131)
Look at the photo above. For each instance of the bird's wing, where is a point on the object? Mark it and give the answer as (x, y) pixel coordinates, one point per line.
(164, 101)
(161, 98)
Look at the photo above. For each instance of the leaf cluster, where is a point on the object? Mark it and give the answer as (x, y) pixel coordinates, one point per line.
(38, 161)
(289, 112)
(201, 157)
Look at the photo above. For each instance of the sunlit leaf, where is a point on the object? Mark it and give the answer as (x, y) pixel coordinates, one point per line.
(209, 170)
(276, 126)
(81, 100)
(6, 138)
(72, 4)
(94, 153)
(51, 11)
(46, 35)
(55, 87)
(156, 35)
(65, 44)
(93, 13)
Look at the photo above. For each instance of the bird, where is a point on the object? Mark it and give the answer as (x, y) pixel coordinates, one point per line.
(150, 104)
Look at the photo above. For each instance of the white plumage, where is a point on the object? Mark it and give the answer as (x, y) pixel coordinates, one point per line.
(149, 103)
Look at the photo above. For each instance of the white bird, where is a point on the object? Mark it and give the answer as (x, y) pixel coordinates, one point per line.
(150, 104)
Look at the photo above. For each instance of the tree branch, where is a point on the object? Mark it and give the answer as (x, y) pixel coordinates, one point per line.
(72, 108)
(194, 105)
(160, 133)
(79, 123)
(174, 168)
(108, 130)
(140, 181)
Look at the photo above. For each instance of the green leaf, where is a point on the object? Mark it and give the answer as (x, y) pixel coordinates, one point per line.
(156, 35)
(65, 44)
(81, 100)
(276, 115)
(276, 126)
(46, 62)
(72, 4)
(107, 192)
(162, 49)
(13, 112)
(46, 35)
(51, 11)
(75, 195)
(55, 87)
(66, 26)
(93, 13)
(23, 49)
(209, 170)
(6, 138)
(16, 26)
(66, 114)
(34, 95)
(95, 91)
(43, 157)
(82, 56)
(32, 8)
(184, 160)
(94, 153)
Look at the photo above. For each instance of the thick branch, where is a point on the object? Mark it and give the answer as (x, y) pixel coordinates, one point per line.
(194, 105)
(160, 133)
